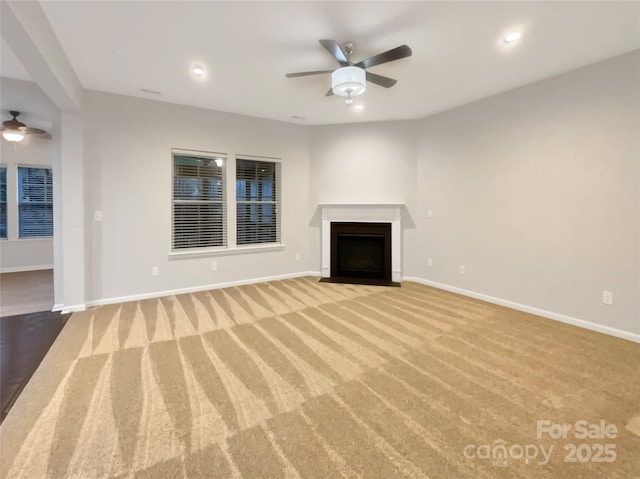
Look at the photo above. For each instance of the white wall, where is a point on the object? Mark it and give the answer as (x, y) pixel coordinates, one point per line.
(364, 163)
(127, 148)
(536, 192)
(69, 227)
(28, 253)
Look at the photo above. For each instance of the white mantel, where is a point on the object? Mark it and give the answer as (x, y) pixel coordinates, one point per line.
(363, 213)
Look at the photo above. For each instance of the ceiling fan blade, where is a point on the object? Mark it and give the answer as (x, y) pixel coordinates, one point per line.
(304, 74)
(17, 125)
(13, 124)
(336, 52)
(397, 53)
(381, 80)
(330, 92)
(32, 131)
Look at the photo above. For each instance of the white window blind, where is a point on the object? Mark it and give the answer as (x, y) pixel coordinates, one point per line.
(35, 202)
(199, 216)
(3, 202)
(257, 201)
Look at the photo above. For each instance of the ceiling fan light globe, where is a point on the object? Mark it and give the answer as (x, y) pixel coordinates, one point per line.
(13, 135)
(349, 81)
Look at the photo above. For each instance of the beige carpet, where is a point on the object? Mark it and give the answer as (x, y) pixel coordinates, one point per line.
(300, 379)
(26, 292)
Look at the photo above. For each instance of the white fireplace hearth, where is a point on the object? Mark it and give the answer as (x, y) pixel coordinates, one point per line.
(363, 213)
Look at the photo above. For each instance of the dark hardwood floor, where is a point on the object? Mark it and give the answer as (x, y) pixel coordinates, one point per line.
(24, 341)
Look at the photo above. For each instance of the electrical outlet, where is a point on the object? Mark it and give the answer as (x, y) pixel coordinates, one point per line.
(461, 269)
(429, 262)
(214, 265)
(97, 215)
(297, 256)
(155, 271)
(607, 298)
(429, 214)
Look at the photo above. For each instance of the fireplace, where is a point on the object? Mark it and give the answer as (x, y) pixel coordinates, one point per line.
(364, 216)
(360, 252)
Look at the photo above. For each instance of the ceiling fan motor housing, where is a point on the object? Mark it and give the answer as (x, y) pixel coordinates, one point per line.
(349, 81)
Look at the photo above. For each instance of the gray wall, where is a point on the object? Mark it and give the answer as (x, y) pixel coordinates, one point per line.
(128, 144)
(536, 192)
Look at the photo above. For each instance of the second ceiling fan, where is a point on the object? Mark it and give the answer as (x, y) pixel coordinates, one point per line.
(14, 130)
(351, 78)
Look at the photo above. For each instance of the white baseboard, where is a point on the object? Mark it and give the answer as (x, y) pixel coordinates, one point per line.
(20, 269)
(158, 294)
(472, 294)
(618, 333)
(73, 308)
(68, 309)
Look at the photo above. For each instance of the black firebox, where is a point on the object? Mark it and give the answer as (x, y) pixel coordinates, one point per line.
(361, 253)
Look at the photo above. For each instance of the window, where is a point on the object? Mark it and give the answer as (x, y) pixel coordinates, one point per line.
(3, 202)
(35, 202)
(199, 216)
(257, 201)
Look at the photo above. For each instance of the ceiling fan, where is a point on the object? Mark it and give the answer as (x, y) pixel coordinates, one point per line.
(351, 78)
(15, 130)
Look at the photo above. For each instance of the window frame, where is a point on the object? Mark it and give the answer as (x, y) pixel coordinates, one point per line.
(19, 201)
(5, 202)
(229, 180)
(276, 202)
(223, 202)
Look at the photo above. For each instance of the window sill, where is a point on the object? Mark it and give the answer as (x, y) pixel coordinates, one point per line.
(226, 251)
(33, 238)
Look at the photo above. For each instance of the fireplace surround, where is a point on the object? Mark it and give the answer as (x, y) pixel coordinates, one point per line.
(386, 216)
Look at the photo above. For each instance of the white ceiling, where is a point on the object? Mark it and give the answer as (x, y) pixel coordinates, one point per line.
(247, 47)
(10, 66)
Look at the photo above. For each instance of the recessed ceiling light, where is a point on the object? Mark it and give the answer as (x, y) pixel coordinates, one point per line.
(512, 37)
(358, 107)
(198, 70)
